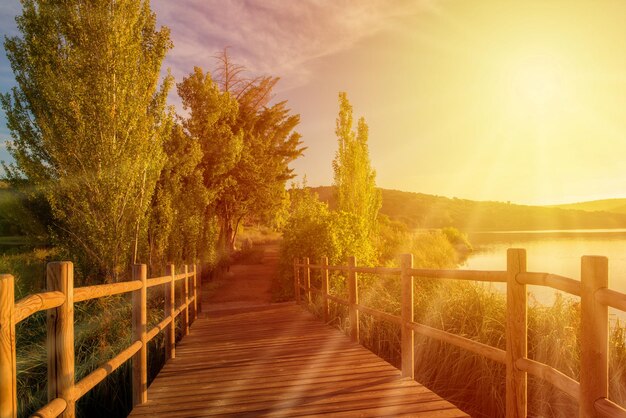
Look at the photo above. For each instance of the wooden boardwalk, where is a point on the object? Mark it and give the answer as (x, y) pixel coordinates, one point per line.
(280, 361)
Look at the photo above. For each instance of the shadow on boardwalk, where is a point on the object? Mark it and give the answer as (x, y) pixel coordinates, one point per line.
(251, 358)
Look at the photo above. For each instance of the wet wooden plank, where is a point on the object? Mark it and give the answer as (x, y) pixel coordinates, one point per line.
(279, 361)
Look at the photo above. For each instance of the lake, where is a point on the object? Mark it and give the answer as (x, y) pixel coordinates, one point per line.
(556, 252)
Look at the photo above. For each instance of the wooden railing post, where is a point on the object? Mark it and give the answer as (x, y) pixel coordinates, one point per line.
(60, 339)
(353, 299)
(296, 279)
(407, 309)
(594, 335)
(197, 273)
(307, 279)
(8, 373)
(194, 293)
(186, 302)
(140, 359)
(324, 273)
(516, 335)
(170, 302)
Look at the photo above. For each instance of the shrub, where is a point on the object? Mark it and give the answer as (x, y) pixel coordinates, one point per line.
(314, 231)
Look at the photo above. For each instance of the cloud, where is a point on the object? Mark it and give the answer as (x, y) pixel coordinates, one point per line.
(275, 37)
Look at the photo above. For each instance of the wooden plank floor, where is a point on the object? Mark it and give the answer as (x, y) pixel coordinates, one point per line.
(280, 361)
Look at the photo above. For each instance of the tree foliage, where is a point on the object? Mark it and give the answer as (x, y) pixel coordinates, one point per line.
(313, 230)
(354, 178)
(88, 120)
(181, 227)
(247, 143)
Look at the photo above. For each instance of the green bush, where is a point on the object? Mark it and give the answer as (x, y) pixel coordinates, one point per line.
(314, 231)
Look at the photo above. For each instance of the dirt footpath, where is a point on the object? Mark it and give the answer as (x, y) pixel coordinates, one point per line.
(245, 286)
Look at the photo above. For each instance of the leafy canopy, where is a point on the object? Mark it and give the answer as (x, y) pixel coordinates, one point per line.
(355, 179)
(88, 120)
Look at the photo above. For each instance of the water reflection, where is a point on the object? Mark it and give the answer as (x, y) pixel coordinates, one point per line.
(556, 252)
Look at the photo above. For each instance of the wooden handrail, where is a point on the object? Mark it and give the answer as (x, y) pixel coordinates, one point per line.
(592, 390)
(98, 291)
(550, 374)
(38, 302)
(607, 409)
(492, 353)
(156, 281)
(95, 377)
(611, 298)
(473, 275)
(158, 328)
(51, 409)
(554, 281)
(59, 302)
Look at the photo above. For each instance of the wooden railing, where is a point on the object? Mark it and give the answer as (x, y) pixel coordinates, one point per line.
(592, 390)
(58, 301)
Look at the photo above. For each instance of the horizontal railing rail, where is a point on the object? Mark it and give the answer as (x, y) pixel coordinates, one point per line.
(591, 391)
(58, 301)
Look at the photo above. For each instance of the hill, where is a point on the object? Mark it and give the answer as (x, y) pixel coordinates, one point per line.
(606, 205)
(418, 210)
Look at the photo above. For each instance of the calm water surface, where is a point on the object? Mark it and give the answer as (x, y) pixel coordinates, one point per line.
(556, 252)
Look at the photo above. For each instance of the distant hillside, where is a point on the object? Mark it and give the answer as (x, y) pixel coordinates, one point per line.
(418, 210)
(607, 205)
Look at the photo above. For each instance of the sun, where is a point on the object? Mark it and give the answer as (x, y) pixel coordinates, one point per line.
(537, 83)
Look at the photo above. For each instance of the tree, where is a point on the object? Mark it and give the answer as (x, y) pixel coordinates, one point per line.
(260, 175)
(88, 120)
(212, 123)
(181, 227)
(354, 178)
(249, 145)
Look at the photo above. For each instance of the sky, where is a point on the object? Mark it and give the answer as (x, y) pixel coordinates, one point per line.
(520, 101)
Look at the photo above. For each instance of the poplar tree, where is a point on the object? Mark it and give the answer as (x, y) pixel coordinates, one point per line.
(354, 178)
(88, 119)
(181, 229)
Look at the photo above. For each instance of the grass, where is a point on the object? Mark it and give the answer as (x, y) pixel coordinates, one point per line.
(254, 235)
